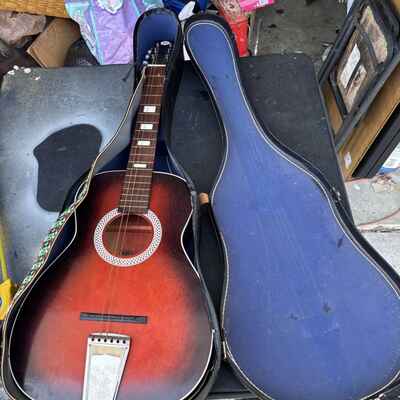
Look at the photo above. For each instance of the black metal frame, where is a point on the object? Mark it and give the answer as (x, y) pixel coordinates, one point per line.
(351, 119)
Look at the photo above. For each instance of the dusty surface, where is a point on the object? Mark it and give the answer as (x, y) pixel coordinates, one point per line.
(376, 209)
(291, 26)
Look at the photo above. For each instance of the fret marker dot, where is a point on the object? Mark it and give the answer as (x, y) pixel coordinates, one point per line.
(143, 143)
(149, 109)
(141, 166)
(146, 127)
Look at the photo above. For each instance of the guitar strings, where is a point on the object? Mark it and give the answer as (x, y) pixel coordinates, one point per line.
(149, 80)
(112, 272)
(152, 80)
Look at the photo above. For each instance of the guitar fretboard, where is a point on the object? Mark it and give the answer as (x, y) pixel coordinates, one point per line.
(136, 189)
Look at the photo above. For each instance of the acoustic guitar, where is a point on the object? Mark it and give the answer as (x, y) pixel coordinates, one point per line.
(121, 314)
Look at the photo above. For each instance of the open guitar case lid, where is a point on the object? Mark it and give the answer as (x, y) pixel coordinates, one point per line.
(207, 73)
(155, 25)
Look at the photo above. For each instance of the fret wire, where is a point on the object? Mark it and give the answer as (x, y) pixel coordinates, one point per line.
(145, 187)
(132, 181)
(130, 198)
(151, 94)
(129, 185)
(148, 118)
(134, 160)
(128, 177)
(133, 176)
(140, 155)
(130, 172)
(129, 194)
(144, 184)
(135, 172)
(154, 88)
(138, 201)
(139, 180)
(142, 151)
(135, 209)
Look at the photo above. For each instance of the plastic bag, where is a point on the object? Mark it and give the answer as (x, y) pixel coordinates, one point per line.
(107, 26)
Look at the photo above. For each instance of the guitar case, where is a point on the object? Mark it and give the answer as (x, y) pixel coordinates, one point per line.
(153, 26)
(310, 310)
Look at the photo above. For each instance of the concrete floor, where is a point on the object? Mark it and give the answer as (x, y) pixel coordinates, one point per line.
(376, 210)
(291, 26)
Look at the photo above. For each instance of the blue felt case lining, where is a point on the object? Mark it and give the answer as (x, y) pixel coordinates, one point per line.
(310, 310)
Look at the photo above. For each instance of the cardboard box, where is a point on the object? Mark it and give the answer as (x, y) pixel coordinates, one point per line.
(51, 46)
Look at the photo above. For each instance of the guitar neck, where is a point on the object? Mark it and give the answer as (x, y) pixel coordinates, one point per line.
(136, 190)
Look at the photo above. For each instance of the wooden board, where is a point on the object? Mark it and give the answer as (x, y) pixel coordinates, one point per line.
(371, 125)
(335, 117)
(369, 128)
(54, 8)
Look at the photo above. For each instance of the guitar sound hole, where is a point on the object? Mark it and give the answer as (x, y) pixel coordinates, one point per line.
(127, 236)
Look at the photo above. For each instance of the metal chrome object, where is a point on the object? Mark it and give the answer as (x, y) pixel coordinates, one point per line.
(105, 363)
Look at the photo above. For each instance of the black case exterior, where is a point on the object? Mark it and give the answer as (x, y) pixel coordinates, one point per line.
(153, 26)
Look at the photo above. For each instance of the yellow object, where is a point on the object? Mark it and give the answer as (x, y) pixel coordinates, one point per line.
(7, 287)
(54, 8)
(7, 290)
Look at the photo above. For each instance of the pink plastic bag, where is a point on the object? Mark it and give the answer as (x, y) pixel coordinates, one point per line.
(250, 5)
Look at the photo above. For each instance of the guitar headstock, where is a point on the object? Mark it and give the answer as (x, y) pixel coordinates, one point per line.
(159, 54)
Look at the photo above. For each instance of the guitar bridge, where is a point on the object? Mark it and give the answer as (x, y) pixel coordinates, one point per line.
(106, 357)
